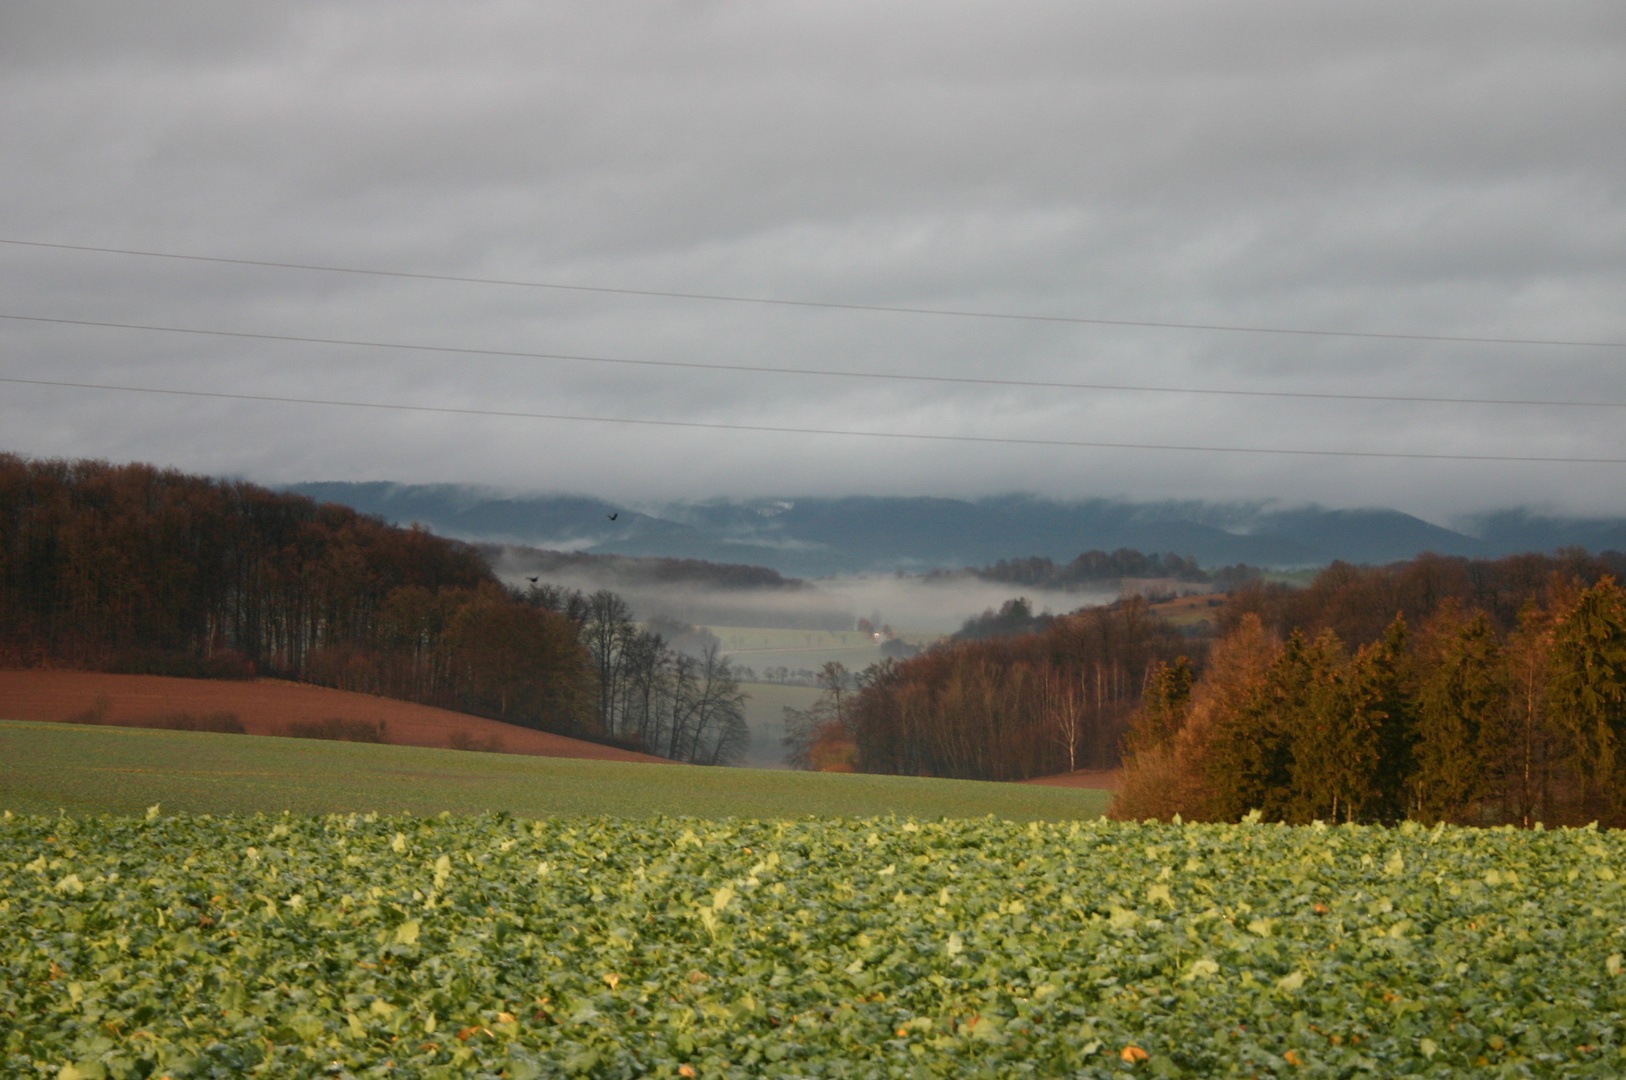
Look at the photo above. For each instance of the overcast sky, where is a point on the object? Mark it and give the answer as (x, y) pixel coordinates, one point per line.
(1440, 168)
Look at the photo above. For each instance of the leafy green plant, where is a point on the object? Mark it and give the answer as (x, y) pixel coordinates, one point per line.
(492, 946)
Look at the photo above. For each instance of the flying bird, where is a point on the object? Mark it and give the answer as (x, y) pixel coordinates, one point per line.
(531, 580)
(615, 515)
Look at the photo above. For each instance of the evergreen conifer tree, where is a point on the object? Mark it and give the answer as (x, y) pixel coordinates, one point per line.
(1462, 718)
(1586, 691)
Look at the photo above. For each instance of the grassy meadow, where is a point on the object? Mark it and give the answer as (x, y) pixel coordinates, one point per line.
(97, 770)
(760, 649)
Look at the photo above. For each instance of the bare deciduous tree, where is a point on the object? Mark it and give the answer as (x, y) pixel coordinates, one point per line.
(1066, 710)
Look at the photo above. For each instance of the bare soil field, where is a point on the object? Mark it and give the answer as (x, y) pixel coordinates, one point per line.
(274, 707)
(1095, 779)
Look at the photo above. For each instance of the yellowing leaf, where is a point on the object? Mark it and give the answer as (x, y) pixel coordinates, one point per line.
(1203, 969)
(955, 946)
(443, 870)
(986, 1030)
(407, 932)
(1292, 982)
(399, 844)
(720, 899)
(1612, 965)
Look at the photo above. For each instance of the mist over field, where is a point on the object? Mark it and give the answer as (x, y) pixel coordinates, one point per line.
(908, 604)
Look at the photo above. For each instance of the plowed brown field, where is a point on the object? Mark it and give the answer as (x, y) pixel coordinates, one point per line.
(1098, 779)
(269, 706)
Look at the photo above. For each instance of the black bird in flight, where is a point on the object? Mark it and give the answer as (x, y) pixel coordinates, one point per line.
(531, 580)
(615, 515)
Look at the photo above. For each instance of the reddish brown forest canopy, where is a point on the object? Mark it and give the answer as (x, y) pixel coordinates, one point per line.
(141, 570)
(1477, 692)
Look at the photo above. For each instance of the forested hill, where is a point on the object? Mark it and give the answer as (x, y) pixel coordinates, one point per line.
(813, 537)
(1443, 688)
(1089, 569)
(133, 568)
(1437, 690)
(624, 571)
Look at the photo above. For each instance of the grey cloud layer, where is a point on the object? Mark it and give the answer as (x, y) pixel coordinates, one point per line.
(1449, 168)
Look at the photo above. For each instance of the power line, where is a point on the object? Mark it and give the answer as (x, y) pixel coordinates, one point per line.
(778, 430)
(824, 304)
(822, 372)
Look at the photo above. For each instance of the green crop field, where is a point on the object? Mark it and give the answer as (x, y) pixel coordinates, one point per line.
(489, 946)
(47, 767)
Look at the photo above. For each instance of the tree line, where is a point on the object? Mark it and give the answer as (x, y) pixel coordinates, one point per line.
(1096, 567)
(144, 570)
(650, 695)
(1440, 689)
(1006, 708)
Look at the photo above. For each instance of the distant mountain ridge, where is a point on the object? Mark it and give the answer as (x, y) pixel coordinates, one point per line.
(818, 537)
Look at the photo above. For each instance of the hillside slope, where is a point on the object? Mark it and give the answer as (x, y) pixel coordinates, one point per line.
(269, 706)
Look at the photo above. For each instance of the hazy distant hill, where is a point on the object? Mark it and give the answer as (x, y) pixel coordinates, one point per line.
(818, 537)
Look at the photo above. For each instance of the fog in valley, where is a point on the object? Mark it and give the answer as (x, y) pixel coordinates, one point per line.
(911, 606)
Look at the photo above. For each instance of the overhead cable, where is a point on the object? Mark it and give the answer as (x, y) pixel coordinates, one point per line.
(821, 372)
(826, 304)
(785, 430)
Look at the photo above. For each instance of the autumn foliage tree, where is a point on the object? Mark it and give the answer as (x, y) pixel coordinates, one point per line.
(1009, 708)
(137, 569)
(1513, 712)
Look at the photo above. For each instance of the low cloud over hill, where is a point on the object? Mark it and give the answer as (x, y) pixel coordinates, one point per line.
(867, 535)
